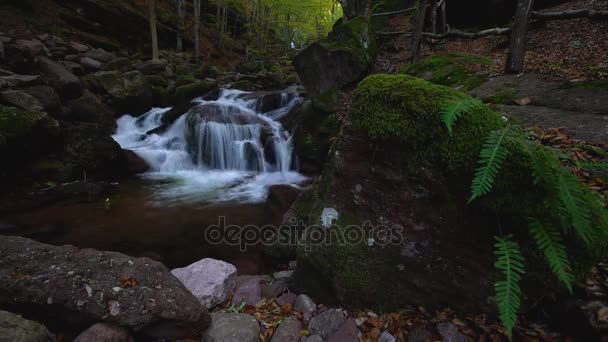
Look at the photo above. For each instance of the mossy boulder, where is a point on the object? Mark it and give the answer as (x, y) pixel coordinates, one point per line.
(457, 70)
(339, 59)
(22, 127)
(128, 92)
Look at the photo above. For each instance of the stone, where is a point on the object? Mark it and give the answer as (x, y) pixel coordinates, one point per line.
(79, 282)
(327, 323)
(120, 64)
(77, 47)
(348, 332)
(274, 288)
(328, 216)
(211, 281)
(232, 327)
(449, 332)
(248, 292)
(31, 48)
(288, 330)
(415, 335)
(1, 50)
(14, 81)
(90, 65)
(280, 198)
(46, 95)
(30, 131)
(135, 163)
(305, 304)
(128, 91)
(283, 274)
(152, 67)
(103, 332)
(313, 338)
(73, 67)
(100, 55)
(88, 108)
(287, 298)
(15, 328)
(43, 37)
(63, 81)
(261, 279)
(21, 100)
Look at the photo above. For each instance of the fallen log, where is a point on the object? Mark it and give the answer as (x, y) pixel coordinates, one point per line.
(394, 12)
(455, 33)
(571, 14)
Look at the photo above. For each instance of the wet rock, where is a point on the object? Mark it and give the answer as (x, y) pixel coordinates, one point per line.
(103, 332)
(84, 286)
(46, 95)
(21, 100)
(212, 112)
(288, 330)
(327, 323)
(63, 81)
(87, 108)
(152, 67)
(31, 48)
(1, 51)
(100, 55)
(249, 292)
(287, 298)
(347, 332)
(305, 304)
(232, 327)
(90, 64)
(128, 92)
(73, 67)
(28, 130)
(211, 281)
(281, 197)
(449, 332)
(135, 164)
(77, 47)
(120, 64)
(415, 335)
(13, 81)
(16, 328)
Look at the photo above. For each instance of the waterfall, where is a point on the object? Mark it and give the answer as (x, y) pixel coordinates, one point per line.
(227, 149)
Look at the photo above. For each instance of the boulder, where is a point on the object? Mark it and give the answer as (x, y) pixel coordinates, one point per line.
(327, 323)
(15, 328)
(274, 288)
(64, 82)
(73, 67)
(128, 92)
(312, 338)
(103, 332)
(248, 292)
(28, 130)
(449, 332)
(211, 281)
(1, 51)
(88, 108)
(87, 286)
(305, 304)
(212, 112)
(46, 95)
(348, 332)
(232, 327)
(21, 100)
(78, 48)
(337, 60)
(288, 330)
(30, 48)
(414, 335)
(135, 163)
(90, 65)
(120, 64)
(152, 67)
(100, 55)
(14, 81)
(287, 298)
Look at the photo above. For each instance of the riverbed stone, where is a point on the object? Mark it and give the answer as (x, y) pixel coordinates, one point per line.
(287, 298)
(327, 323)
(248, 292)
(348, 332)
(312, 338)
(21, 100)
(31, 48)
(274, 288)
(16, 328)
(63, 81)
(305, 304)
(103, 332)
(152, 67)
(88, 286)
(89, 64)
(288, 330)
(416, 335)
(450, 333)
(211, 281)
(46, 95)
(232, 327)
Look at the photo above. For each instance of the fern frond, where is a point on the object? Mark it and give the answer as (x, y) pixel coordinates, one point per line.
(508, 293)
(550, 243)
(574, 205)
(454, 109)
(490, 161)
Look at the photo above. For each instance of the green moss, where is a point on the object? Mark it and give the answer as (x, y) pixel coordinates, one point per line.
(408, 110)
(187, 92)
(452, 70)
(155, 81)
(328, 101)
(502, 98)
(18, 123)
(356, 37)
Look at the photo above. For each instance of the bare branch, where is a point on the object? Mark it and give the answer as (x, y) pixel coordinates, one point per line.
(499, 31)
(573, 14)
(394, 13)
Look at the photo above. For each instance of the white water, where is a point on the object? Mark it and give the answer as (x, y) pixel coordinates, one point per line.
(201, 161)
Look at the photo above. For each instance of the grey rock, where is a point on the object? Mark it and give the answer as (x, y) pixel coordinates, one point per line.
(419, 335)
(14, 81)
(261, 279)
(73, 67)
(232, 327)
(43, 37)
(100, 55)
(1, 50)
(46, 95)
(211, 281)
(449, 332)
(152, 67)
(31, 48)
(89, 64)
(15, 328)
(327, 323)
(250, 292)
(21, 100)
(87, 108)
(348, 332)
(288, 331)
(274, 288)
(287, 298)
(103, 332)
(63, 81)
(77, 47)
(305, 304)
(313, 338)
(283, 274)
(80, 282)
(72, 58)
(387, 337)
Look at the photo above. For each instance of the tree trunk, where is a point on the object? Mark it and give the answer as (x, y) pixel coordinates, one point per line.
(197, 23)
(443, 20)
(433, 22)
(517, 47)
(152, 19)
(418, 28)
(180, 29)
(356, 8)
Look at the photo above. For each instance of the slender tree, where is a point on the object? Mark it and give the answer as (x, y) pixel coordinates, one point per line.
(180, 29)
(197, 25)
(418, 28)
(517, 47)
(152, 19)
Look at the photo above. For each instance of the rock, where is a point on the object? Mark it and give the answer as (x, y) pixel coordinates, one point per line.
(14, 81)
(185, 93)
(280, 198)
(274, 288)
(248, 292)
(305, 304)
(100, 55)
(327, 323)
(288, 331)
(211, 281)
(21, 100)
(81, 283)
(88, 108)
(46, 95)
(31, 48)
(387, 337)
(78, 48)
(287, 298)
(31, 131)
(1, 51)
(232, 327)
(135, 164)
(312, 338)
(339, 59)
(418, 335)
(128, 91)
(283, 275)
(73, 67)
(261, 279)
(16, 328)
(90, 64)
(103, 332)
(212, 112)
(43, 37)
(153, 67)
(64, 82)
(348, 332)
(120, 64)
(449, 332)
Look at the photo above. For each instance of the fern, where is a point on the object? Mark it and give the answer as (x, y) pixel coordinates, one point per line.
(550, 243)
(490, 161)
(508, 293)
(455, 109)
(573, 204)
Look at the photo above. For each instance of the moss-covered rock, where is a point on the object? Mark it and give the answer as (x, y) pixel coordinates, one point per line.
(456, 70)
(128, 92)
(339, 59)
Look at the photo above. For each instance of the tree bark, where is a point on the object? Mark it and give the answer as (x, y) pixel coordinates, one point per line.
(573, 14)
(394, 12)
(418, 28)
(152, 19)
(517, 47)
(356, 8)
(180, 29)
(443, 20)
(433, 21)
(197, 24)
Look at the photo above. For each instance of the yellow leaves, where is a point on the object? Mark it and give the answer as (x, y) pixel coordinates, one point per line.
(126, 282)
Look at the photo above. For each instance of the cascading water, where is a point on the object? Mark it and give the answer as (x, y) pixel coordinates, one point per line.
(219, 151)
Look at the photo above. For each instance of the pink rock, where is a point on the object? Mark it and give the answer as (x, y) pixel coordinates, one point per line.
(249, 291)
(287, 298)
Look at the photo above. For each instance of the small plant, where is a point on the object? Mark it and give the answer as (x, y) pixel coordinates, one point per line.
(233, 308)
